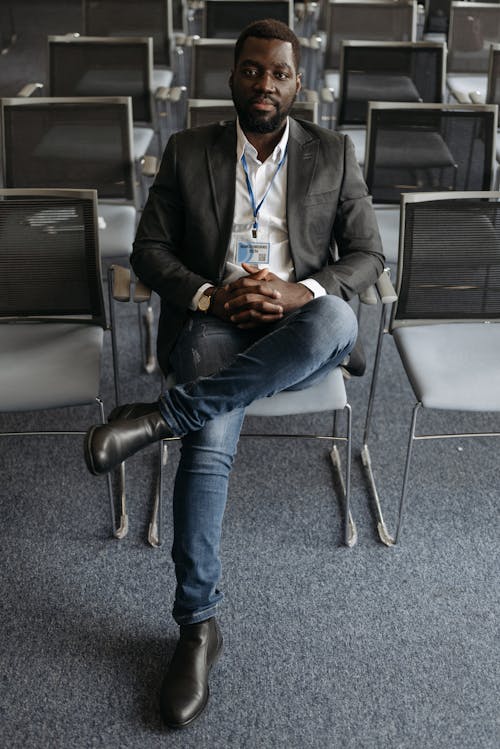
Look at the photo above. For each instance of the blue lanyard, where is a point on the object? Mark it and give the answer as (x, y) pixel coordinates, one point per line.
(256, 208)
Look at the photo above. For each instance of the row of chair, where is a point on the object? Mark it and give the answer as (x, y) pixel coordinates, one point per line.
(444, 321)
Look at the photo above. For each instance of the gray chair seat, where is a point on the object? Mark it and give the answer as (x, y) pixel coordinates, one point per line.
(162, 77)
(388, 225)
(381, 87)
(358, 137)
(461, 86)
(142, 138)
(397, 149)
(332, 81)
(65, 357)
(329, 394)
(453, 366)
(117, 224)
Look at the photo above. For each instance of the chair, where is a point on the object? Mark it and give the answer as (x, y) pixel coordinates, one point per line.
(224, 19)
(108, 66)
(207, 111)
(422, 148)
(211, 62)
(52, 314)
(76, 142)
(327, 396)
(386, 71)
(361, 20)
(473, 28)
(131, 18)
(445, 321)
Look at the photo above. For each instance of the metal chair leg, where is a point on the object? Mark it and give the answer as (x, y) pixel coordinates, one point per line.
(384, 534)
(350, 530)
(122, 529)
(154, 533)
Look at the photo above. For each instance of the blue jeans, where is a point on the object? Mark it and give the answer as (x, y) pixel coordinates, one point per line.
(223, 370)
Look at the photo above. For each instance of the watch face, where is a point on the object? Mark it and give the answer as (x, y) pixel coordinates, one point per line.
(204, 303)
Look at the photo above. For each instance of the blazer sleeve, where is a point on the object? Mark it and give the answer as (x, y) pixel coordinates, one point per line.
(355, 240)
(160, 239)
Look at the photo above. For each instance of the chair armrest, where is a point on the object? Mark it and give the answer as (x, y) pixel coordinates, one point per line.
(476, 97)
(149, 166)
(122, 282)
(385, 288)
(173, 94)
(30, 89)
(382, 290)
(142, 293)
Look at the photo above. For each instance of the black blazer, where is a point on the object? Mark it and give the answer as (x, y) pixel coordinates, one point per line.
(183, 236)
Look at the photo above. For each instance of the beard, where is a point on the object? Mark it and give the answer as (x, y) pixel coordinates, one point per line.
(261, 122)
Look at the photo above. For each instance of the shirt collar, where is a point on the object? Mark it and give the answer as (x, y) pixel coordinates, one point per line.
(243, 146)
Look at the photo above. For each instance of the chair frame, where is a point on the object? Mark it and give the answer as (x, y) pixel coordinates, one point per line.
(329, 51)
(125, 290)
(144, 42)
(120, 530)
(373, 106)
(205, 31)
(385, 535)
(167, 27)
(350, 44)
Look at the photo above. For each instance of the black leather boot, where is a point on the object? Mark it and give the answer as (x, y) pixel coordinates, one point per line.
(132, 427)
(184, 692)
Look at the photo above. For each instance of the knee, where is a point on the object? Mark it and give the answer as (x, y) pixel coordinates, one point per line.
(335, 316)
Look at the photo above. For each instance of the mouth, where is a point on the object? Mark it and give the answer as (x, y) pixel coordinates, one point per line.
(263, 105)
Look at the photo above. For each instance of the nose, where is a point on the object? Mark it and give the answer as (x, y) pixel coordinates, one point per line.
(265, 82)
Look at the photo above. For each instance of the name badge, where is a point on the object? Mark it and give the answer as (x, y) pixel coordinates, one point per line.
(255, 253)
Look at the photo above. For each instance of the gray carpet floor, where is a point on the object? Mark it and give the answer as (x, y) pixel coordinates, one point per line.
(325, 647)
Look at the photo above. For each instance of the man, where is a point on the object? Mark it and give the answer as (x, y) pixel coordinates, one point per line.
(237, 238)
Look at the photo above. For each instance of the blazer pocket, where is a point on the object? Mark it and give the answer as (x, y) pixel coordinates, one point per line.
(320, 198)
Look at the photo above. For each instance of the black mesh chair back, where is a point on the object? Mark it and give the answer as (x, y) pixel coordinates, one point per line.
(225, 19)
(49, 257)
(473, 28)
(99, 66)
(429, 147)
(208, 111)
(388, 71)
(437, 16)
(132, 18)
(211, 62)
(376, 21)
(449, 263)
(493, 89)
(69, 143)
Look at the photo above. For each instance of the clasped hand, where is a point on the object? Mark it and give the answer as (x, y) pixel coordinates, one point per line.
(259, 298)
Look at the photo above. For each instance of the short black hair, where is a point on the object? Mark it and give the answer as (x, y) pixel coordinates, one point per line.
(269, 28)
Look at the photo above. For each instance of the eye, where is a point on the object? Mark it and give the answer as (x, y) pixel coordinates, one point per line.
(249, 72)
(281, 76)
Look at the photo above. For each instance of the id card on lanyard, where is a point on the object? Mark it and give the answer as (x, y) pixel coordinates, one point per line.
(253, 250)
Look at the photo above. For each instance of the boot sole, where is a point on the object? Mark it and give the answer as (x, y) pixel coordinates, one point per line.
(87, 452)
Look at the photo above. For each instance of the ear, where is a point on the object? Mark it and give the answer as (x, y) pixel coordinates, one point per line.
(299, 83)
(231, 80)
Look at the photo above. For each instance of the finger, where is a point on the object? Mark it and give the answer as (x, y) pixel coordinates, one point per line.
(251, 301)
(264, 320)
(254, 271)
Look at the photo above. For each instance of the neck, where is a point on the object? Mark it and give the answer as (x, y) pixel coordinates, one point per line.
(265, 143)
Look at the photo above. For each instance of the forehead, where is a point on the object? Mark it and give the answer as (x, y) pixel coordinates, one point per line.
(274, 52)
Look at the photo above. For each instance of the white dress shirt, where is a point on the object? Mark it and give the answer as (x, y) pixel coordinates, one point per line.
(272, 219)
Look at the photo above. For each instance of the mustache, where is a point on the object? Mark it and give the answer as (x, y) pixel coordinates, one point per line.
(263, 100)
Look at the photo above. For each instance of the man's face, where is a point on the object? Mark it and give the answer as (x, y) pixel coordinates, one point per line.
(264, 84)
